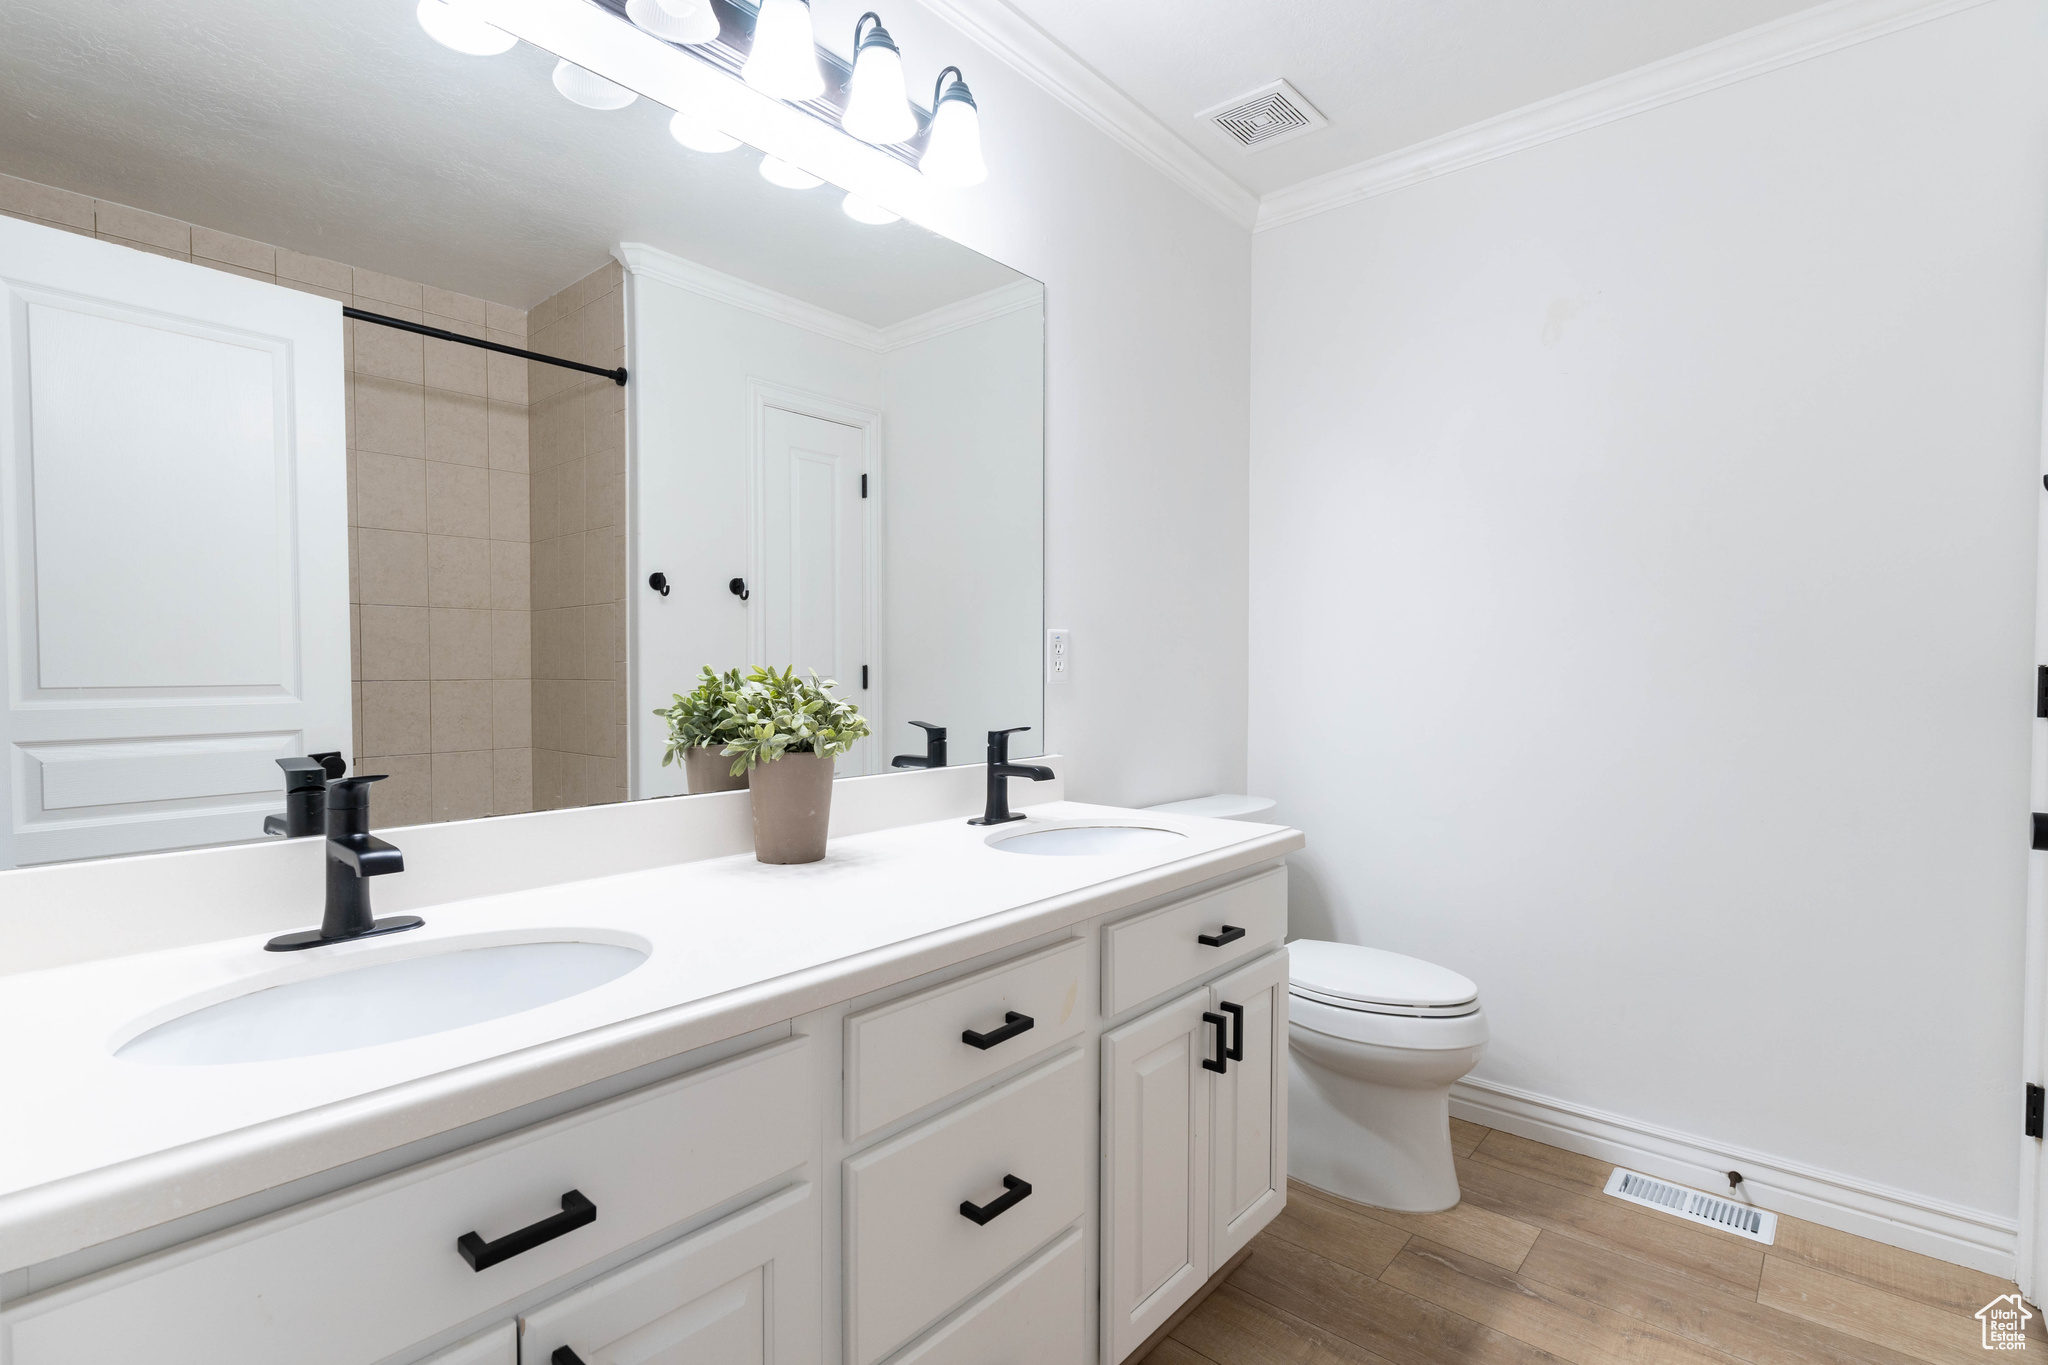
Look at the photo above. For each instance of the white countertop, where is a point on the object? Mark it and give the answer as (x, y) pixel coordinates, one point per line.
(100, 1147)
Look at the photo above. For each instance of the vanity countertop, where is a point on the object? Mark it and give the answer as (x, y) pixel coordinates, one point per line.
(102, 1147)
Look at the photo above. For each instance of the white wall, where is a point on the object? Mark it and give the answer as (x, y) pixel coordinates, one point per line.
(1147, 326)
(690, 467)
(961, 485)
(963, 488)
(1642, 576)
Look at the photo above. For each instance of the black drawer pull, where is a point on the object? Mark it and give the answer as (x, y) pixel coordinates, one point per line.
(1017, 1192)
(482, 1255)
(564, 1356)
(1236, 1012)
(1013, 1024)
(1231, 934)
(1217, 1063)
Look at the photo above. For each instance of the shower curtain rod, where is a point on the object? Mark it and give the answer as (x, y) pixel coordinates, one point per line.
(617, 376)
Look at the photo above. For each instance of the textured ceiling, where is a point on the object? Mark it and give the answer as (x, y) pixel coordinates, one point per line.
(339, 129)
(1387, 73)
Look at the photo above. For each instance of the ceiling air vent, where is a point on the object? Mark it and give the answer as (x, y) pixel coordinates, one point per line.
(1710, 1210)
(1267, 116)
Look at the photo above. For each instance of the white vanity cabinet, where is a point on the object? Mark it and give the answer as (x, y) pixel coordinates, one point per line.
(1194, 1102)
(1032, 1156)
(363, 1274)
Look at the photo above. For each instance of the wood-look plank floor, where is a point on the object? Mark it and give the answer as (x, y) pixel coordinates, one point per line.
(1538, 1267)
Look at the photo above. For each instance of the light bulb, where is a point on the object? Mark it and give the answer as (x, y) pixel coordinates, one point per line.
(877, 109)
(452, 25)
(776, 171)
(783, 61)
(952, 151)
(589, 89)
(678, 21)
(700, 136)
(861, 211)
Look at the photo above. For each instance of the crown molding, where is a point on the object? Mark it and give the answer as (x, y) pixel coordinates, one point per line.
(1035, 54)
(998, 302)
(653, 263)
(1753, 52)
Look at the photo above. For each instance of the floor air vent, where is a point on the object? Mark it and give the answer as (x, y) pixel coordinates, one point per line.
(1759, 1225)
(1268, 115)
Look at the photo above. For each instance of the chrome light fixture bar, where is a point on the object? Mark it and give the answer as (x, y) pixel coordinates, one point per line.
(728, 52)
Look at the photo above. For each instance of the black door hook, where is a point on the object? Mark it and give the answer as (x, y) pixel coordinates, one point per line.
(659, 582)
(738, 588)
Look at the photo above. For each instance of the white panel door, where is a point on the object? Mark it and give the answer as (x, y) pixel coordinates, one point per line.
(743, 1291)
(1248, 1107)
(173, 507)
(1155, 1169)
(811, 597)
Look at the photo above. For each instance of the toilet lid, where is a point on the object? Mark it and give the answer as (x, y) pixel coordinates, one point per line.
(1342, 973)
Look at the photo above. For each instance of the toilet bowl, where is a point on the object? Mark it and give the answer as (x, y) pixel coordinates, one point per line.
(1375, 1041)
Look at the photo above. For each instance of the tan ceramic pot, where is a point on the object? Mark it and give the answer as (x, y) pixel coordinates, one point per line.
(711, 771)
(792, 805)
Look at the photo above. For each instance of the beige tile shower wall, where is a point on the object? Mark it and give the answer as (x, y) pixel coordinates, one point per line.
(579, 547)
(439, 564)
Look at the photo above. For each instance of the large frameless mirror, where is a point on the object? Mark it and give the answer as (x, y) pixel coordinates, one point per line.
(239, 526)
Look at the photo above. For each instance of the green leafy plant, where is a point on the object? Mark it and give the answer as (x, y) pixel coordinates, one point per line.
(710, 715)
(781, 713)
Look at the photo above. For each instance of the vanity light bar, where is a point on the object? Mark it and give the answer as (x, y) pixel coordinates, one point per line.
(591, 34)
(728, 53)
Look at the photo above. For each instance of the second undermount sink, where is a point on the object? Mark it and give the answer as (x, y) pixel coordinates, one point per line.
(1086, 841)
(383, 1002)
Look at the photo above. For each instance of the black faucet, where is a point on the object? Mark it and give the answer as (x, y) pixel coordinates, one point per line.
(354, 855)
(305, 792)
(934, 748)
(1000, 770)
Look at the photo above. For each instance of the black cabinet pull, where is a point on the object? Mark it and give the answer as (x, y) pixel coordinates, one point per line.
(1017, 1191)
(1217, 1063)
(482, 1255)
(1013, 1024)
(1236, 1049)
(564, 1356)
(1231, 934)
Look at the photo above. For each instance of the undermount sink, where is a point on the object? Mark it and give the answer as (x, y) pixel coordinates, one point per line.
(381, 1003)
(1086, 841)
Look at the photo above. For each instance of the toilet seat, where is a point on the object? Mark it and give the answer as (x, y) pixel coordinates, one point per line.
(1347, 976)
(1376, 1029)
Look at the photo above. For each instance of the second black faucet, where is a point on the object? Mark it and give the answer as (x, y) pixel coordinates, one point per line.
(1000, 771)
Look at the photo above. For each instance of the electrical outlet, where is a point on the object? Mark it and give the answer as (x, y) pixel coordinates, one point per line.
(1059, 655)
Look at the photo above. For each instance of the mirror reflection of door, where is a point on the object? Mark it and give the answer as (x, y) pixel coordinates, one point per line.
(173, 510)
(813, 600)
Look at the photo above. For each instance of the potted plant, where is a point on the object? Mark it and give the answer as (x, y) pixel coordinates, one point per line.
(700, 724)
(790, 730)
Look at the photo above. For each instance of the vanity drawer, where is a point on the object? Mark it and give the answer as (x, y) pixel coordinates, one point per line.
(909, 1053)
(1035, 1317)
(1150, 954)
(367, 1272)
(911, 1253)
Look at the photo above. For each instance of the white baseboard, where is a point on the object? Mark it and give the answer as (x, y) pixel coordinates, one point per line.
(1931, 1227)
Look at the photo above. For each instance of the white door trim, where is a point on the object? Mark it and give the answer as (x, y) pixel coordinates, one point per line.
(762, 395)
(2033, 1207)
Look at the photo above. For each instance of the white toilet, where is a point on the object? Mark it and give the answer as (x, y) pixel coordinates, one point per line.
(1374, 1042)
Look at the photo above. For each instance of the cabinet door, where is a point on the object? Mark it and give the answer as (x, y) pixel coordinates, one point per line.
(743, 1291)
(1155, 1169)
(1248, 1107)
